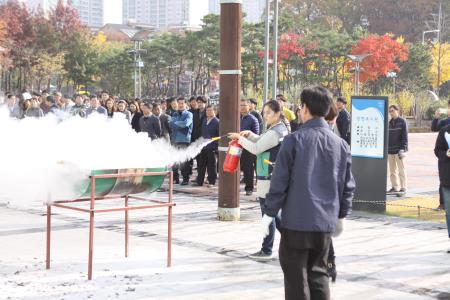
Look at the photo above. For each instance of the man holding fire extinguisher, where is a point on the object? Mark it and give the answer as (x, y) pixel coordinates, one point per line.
(313, 186)
(265, 147)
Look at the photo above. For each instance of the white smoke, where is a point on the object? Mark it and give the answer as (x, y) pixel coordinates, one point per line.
(47, 157)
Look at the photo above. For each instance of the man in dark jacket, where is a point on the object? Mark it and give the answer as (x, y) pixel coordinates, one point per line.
(150, 123)
(313, 186)
(248, 160)
(442, 152)
(397, 148)
(50, 102)
(255, 113)
(436, 125)
(343, 119)
(164, 120)
(207, 158)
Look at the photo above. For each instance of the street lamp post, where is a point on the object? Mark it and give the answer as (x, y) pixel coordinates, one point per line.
(138, 65)
(266, 52)
(357, 59)
(275, 51)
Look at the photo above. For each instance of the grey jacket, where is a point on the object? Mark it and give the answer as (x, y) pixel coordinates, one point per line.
(34, 112)
(312, 182)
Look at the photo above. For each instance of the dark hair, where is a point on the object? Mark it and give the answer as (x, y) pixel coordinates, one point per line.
(192, 99)
(395, 106)
(253, 100)
(317, 99)
(332, 114)
(93, 96)
(10, 96)
(342, 100)
(201, 98)
(273, 105)
(156, 104)
(181, 98)
(135, 103)
(50, 99)
(282, 98)
(147, 105)
(210, 106)
(448, 102)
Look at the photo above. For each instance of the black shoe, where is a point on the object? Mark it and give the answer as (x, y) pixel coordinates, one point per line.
(248, 193)
(331, 270)
(261, 256)
(185, 182)
(392, 191)
(176, 181)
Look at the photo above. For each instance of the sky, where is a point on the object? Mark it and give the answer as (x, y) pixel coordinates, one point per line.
(113, 10)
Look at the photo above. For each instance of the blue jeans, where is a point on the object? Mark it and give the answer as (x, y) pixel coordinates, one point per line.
(446, 196)
(267, 244)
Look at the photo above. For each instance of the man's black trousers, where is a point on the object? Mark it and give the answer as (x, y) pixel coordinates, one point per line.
(303, 258)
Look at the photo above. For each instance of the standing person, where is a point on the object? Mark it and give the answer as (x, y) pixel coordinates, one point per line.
(96, 107)
(110, 107)
(196, 119)
(398, 146)
(122, 109)
(135, 116)
(67, 104)
(34, 111)
(51, 103)
(343, 120)
(313, 186)
(196, 126)
(181, 125)
(79, 108)
(331, 119)
(297, 123)
(201, 101)
(104, 96)
(164, 120)
(58, 99)
(163, 106)
(248, 160)
(172, 106)
(289, 114)
(255, 113)
(442, 152)
(436, 125)
(13, 107)
(150, 123)
(266, 147)
(207, 158)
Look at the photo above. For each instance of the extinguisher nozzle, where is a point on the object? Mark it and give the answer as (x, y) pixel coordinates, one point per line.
(218, 138)
(268, 162)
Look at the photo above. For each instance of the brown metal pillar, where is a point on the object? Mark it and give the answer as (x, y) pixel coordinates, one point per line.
(230, 92)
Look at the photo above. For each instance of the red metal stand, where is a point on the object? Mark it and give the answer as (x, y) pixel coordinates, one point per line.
(157, 204)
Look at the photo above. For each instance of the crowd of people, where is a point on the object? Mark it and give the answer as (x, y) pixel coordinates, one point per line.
(265, 135)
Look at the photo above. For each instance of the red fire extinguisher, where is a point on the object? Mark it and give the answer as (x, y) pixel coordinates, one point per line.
(231, 162)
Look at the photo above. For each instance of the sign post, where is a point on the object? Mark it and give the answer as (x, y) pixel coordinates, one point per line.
(369, 143)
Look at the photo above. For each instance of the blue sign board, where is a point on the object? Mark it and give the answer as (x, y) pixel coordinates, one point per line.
(368, 127)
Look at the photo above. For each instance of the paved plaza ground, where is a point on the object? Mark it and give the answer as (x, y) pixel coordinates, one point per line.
(378, 257)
